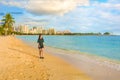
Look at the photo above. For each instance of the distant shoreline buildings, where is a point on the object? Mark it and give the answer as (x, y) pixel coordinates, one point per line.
(26, 30)
(39, 30)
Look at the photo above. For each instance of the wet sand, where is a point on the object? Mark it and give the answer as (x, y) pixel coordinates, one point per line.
(96, 67)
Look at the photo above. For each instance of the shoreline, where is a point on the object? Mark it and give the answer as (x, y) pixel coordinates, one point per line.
(97, 68)
(88, 54)
(102, 52)
(99, 58)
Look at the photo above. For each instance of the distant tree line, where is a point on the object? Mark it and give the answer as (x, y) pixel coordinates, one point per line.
(106, 33)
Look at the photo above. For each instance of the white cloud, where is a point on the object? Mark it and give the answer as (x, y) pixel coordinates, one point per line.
(47, 6)
(32, 22)
(110, 4)
(93, 18)
(114, 1)
(14, 3)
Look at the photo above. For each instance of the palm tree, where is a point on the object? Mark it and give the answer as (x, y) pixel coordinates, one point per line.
(8, 22)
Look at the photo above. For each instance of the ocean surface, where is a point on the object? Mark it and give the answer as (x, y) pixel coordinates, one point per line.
(104, 46)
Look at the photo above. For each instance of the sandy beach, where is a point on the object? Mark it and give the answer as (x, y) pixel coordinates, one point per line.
(19, 61)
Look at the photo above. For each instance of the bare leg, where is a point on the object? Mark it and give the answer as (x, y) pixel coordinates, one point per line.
(40, 52)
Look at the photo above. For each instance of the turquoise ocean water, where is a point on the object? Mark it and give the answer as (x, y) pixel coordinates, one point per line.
(104, 46)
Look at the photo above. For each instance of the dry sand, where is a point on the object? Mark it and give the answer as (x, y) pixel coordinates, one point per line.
(18, 61)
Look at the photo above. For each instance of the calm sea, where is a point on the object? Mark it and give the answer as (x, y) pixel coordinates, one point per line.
(105, 46)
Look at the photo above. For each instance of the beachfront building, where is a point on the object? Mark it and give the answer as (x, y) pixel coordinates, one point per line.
(66, 32)
(51, 31)
(22, 29)
(63, 32)
(44, 31)
(34, 30)
(17, 29)
(59, 32)
(39, 30)
(31, 31)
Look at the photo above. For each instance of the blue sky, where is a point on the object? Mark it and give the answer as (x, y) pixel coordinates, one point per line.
(82, 16)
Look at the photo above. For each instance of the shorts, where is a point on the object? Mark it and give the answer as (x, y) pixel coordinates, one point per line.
(41, 47)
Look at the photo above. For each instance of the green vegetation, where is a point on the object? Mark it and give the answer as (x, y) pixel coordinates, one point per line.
(86, 33)
(80, 34)
(106, 33)
(7, 27)
(1, 30)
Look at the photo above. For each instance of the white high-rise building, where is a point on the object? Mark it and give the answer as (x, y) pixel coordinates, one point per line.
(44, 31)
(39, 30)
(34, 29)
(66, 32)
(23, 29)
(51, 31)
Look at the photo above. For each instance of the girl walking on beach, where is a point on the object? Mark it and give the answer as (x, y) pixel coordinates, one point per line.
(40, 46)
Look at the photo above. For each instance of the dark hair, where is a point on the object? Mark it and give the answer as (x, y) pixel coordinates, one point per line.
(40, 36)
